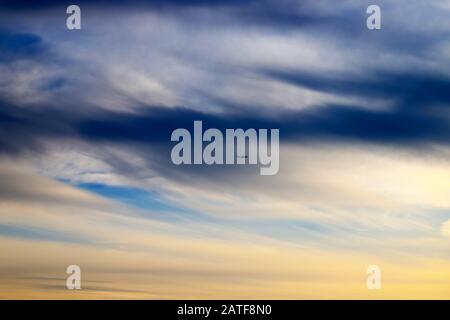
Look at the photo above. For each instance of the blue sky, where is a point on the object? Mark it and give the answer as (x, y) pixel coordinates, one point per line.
(86, 117)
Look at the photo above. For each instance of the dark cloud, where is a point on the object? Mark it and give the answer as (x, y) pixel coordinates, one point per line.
(331, 122)
(15, 46)
(24, 130)
(412, 89)
(419, 117)
(30, 4)
(281, 14)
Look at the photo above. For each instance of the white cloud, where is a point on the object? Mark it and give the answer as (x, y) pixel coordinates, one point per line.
(446, 228)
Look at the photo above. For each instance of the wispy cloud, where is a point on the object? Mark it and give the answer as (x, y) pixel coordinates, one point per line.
(85, 123)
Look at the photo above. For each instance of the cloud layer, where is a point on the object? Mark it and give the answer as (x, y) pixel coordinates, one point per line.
(85, 124)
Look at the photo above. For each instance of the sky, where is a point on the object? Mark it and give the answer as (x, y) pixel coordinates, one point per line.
(86, 118)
